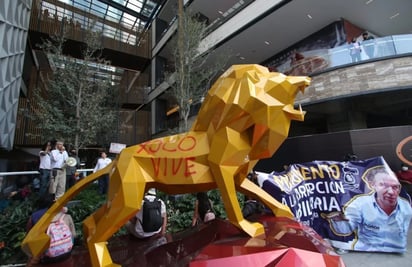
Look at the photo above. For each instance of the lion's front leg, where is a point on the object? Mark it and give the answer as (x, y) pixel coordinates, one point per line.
(225, 182)
(277, 208)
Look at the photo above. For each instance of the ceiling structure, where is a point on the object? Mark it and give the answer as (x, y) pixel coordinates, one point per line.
(121, 20)
(297, 19)
(268, 35)
(278, 29)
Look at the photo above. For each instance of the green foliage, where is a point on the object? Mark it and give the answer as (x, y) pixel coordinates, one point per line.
(85, 203)
(14, 218)
(193, 72)
(180, 209)
(180, 212)
(77, 95)
(13, 222)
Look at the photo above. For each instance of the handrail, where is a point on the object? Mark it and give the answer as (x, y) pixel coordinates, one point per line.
(313, 62)
(35, 172)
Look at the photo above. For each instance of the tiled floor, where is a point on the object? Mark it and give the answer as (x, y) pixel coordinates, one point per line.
(362, 259)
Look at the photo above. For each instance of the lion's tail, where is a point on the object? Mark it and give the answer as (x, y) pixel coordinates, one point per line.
(36, 240)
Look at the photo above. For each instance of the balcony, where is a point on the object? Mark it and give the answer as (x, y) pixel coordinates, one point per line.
(314, 62)
(55, 17)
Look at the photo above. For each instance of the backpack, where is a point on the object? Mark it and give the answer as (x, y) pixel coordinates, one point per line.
(209, 216)
(208, 212)
(251, 207)
(61, 241)
(152, 215)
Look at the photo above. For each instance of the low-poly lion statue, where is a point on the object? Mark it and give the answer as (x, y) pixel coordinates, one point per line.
(245, 117)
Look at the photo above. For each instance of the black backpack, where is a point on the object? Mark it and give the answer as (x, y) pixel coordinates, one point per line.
(252, 207)
(152, 215)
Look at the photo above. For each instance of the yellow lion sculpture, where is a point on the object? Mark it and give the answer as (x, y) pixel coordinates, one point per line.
(245, 117)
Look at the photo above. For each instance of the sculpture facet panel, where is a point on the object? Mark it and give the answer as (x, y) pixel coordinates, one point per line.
(245, 117)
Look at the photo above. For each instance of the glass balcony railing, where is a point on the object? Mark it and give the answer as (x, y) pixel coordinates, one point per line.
(379, 47)
(316, 61)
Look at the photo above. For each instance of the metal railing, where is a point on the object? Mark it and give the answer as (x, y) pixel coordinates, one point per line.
(9, 180)
(320, 60)
(36, 172)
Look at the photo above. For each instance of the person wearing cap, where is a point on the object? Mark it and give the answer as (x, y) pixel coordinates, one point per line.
(58, 157)
(134, 226)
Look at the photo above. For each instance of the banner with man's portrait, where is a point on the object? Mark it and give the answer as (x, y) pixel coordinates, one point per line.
(356, 205)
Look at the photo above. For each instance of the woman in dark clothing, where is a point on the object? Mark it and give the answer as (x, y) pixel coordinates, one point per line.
(203, 209)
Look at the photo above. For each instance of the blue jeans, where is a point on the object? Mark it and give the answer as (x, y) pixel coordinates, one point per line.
(103, 183)
(44, 181)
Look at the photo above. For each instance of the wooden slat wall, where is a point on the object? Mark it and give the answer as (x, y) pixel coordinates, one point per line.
(27, 134)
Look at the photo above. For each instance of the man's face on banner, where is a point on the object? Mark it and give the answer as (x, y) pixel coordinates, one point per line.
(387, 189)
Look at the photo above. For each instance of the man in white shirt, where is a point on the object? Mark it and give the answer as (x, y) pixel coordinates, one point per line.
(58, 157)
(102, 162)
(379, 219)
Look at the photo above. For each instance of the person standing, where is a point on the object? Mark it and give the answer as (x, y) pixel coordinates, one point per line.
(44, 168)
(203, 209)
(355, 50)
(368, 44)
(71, 170)
(102, 162)
(58, 157)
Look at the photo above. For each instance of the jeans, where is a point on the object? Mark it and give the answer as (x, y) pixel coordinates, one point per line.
(356, 57)
(103, 183)
(44, 181)
(69, 181)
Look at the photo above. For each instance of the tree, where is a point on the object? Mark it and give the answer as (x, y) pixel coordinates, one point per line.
(193, 73)
(78, 101)
(192, 77)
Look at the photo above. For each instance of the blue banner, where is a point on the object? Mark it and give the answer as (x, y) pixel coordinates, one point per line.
(356, 205)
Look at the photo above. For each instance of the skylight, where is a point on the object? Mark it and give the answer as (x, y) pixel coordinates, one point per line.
(123, 20)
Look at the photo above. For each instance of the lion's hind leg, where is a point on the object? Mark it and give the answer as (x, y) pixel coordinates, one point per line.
(124, 200)
(36, 240)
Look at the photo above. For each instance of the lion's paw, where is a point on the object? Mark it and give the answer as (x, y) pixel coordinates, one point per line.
(253, 229)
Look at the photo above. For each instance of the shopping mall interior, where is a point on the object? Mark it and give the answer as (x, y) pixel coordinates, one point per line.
(354, 105)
